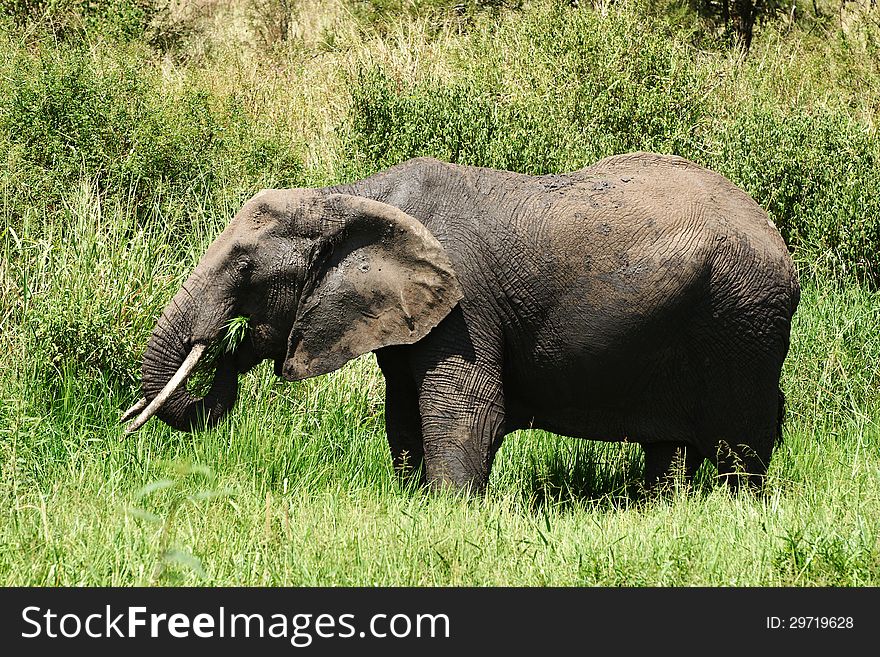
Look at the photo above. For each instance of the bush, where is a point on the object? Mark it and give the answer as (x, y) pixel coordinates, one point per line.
(124, 20)
(85, 347)
(818, 176)
(68, 114)
(383, 13)
(553, 89)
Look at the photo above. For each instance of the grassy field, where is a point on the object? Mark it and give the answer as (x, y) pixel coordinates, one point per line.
(130, 140)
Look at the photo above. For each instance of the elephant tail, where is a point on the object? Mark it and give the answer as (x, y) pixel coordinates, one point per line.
(780, 416)
(795, 293)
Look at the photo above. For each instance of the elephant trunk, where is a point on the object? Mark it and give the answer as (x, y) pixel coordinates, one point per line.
(171, 355)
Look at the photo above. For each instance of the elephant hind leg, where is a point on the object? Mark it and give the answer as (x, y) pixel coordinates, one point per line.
(743, 465)
(741, 407)
(665, 462)
(742, 434)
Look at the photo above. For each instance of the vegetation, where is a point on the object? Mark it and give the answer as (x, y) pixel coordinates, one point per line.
(133, 131)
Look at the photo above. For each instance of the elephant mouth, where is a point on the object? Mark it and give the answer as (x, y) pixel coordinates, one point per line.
(221, 358)
(192, 383)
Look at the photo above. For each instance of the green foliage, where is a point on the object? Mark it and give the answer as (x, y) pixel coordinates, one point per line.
(235, 332)
(88, 346)
(554, 89)
(177, 495)
(816, 173)
(382, 14)
(66, 113)
(82, 285)
(123, 20)
(837, 335)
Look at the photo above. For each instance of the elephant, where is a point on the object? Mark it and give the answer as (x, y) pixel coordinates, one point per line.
(643, 299)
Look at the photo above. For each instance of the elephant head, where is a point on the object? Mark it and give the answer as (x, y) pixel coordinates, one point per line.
(322, 279)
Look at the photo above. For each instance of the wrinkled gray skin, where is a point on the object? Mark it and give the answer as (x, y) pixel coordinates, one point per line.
(643, 298)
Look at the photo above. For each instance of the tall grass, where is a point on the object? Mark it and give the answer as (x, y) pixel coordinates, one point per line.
(126, 156)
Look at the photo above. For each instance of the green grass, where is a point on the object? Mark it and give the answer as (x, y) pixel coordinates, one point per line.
(106, 205)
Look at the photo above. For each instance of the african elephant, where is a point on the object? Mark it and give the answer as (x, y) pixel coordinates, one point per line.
(643, 298)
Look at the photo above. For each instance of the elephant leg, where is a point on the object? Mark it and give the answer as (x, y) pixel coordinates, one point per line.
(403, 423)
(744, 425)
(664, 461)
(743, 465)
(462, 409)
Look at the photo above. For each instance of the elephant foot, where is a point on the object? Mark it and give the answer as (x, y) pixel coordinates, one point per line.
(457, 486)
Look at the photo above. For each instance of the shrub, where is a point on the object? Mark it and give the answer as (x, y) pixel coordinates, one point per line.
(84, 346)
(381, 14)
(818, 175)
(66, 114)
(553, 89)
(69, 113)
(125, 20)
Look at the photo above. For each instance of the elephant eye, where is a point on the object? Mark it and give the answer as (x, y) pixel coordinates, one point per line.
(243, 264)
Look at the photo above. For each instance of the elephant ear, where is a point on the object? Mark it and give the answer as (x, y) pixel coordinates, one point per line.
(383, 279)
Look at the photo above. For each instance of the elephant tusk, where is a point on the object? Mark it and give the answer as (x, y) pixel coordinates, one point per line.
(159, 400)
(134, 410)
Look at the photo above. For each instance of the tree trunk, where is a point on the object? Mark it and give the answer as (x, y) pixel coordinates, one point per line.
(744, 22)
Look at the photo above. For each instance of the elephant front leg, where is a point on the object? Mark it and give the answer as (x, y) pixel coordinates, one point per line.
(403, 423)
(404, 431)
(462, 409)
